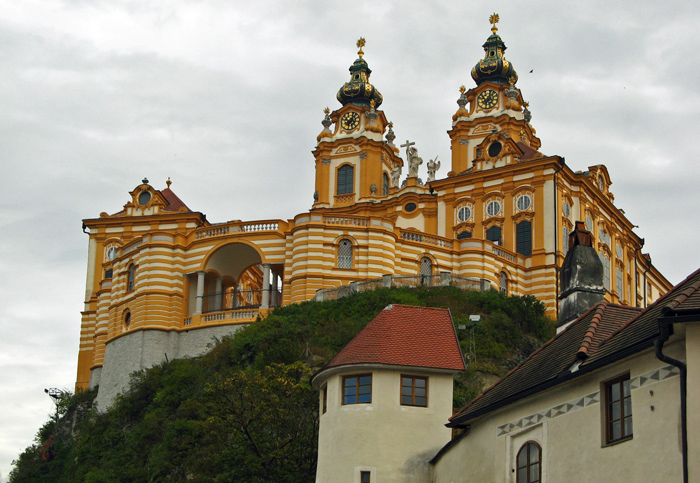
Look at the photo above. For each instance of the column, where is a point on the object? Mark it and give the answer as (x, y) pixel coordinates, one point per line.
(218, 294)
(200, 292)
(266, 286)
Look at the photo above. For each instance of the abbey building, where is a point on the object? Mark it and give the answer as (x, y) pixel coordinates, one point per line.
(163, 280)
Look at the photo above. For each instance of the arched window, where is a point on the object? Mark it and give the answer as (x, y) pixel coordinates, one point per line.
(345, 180)
(494, 234)
(345, 253)
(127, 318)
(131, 277)
(529, 463)
(523, 237)
(503, 283)
(426, 270)
(385, 184)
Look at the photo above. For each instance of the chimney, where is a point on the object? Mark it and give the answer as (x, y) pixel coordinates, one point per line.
(581, 277)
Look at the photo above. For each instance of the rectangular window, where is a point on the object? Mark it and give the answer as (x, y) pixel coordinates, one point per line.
(618, 281)
(324, 399)
(357, 389)
(523, 244)
(414, 391)
(365, 477)
(618, 410)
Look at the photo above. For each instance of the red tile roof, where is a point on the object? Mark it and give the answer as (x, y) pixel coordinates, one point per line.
(601, 336)
(174, 203)
(406, 336)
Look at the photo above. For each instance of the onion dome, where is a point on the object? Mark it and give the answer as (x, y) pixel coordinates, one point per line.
(359, 91)
(494, 67)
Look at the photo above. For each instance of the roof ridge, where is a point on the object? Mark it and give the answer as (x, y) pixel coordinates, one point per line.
(682, 296)
(582, 352)
(651, 306)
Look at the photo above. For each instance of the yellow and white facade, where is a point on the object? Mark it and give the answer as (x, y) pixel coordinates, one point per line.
(162, 280)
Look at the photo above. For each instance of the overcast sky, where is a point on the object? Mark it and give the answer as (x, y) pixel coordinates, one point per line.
(226, 98)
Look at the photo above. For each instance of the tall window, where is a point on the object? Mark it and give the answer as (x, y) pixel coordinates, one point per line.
(345, 254)
(618, 410)
(503, 283)
(523, 235)
(131, 277)
(565, 240)
(324, 399)
(529, 463)
(365, 477)
(618, 281)
(605, 260)
(414, 391)
(357, 389)
(426, 270)
(494, 234)
(385, 184)
(345, 180)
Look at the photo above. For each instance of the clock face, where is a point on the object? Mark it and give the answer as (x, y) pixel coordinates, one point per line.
(350, 121)
(487, 99)
(112, 253)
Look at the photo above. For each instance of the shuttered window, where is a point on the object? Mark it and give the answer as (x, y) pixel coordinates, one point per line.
(524, 238)
(345, 179)
(494, 234)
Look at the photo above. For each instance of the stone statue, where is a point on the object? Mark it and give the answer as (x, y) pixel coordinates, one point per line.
(433, 166)
(395, 175)
(413, 161)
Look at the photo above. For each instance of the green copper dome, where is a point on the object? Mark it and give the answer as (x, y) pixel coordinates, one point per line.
(359, 91)
(494, 67)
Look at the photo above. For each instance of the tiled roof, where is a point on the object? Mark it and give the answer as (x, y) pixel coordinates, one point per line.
(406, 336)
(174, 203)
(528, 152)
(600, 335)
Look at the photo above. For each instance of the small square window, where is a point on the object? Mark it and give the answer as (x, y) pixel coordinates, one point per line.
(357, 389)
(414, 391)
(365, 477)
(618, 410)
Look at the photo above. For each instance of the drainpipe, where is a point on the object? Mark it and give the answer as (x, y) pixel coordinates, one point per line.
(562, 161)
(665, 330)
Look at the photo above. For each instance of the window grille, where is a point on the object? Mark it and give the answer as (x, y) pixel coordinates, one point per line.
(345, 254)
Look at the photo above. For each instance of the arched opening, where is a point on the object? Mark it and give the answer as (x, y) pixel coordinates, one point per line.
(426, 271)
(529, 463)
(234, 278)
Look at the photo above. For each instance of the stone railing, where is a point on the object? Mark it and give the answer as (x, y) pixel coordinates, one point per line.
(237, 227)
(262, 226)
(429, 239)
(345, 220)
(442, 279)
(212, 231)
(229, 315)
(500, 252)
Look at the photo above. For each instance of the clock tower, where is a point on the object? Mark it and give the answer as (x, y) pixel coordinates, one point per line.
(492, 127)
(353, 160)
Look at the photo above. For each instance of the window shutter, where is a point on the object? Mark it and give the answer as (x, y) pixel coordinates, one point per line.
(524, 238)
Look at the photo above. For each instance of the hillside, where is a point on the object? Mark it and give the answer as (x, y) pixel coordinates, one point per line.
(245, 411)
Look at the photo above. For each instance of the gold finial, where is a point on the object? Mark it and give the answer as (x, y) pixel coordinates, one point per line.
(360, 44)
(326, 111)
(372, 103)
(494, 20)
(462, 89)
(390, 125)
(168, 182)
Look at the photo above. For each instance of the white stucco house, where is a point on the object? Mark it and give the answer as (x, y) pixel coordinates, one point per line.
(385, 398)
